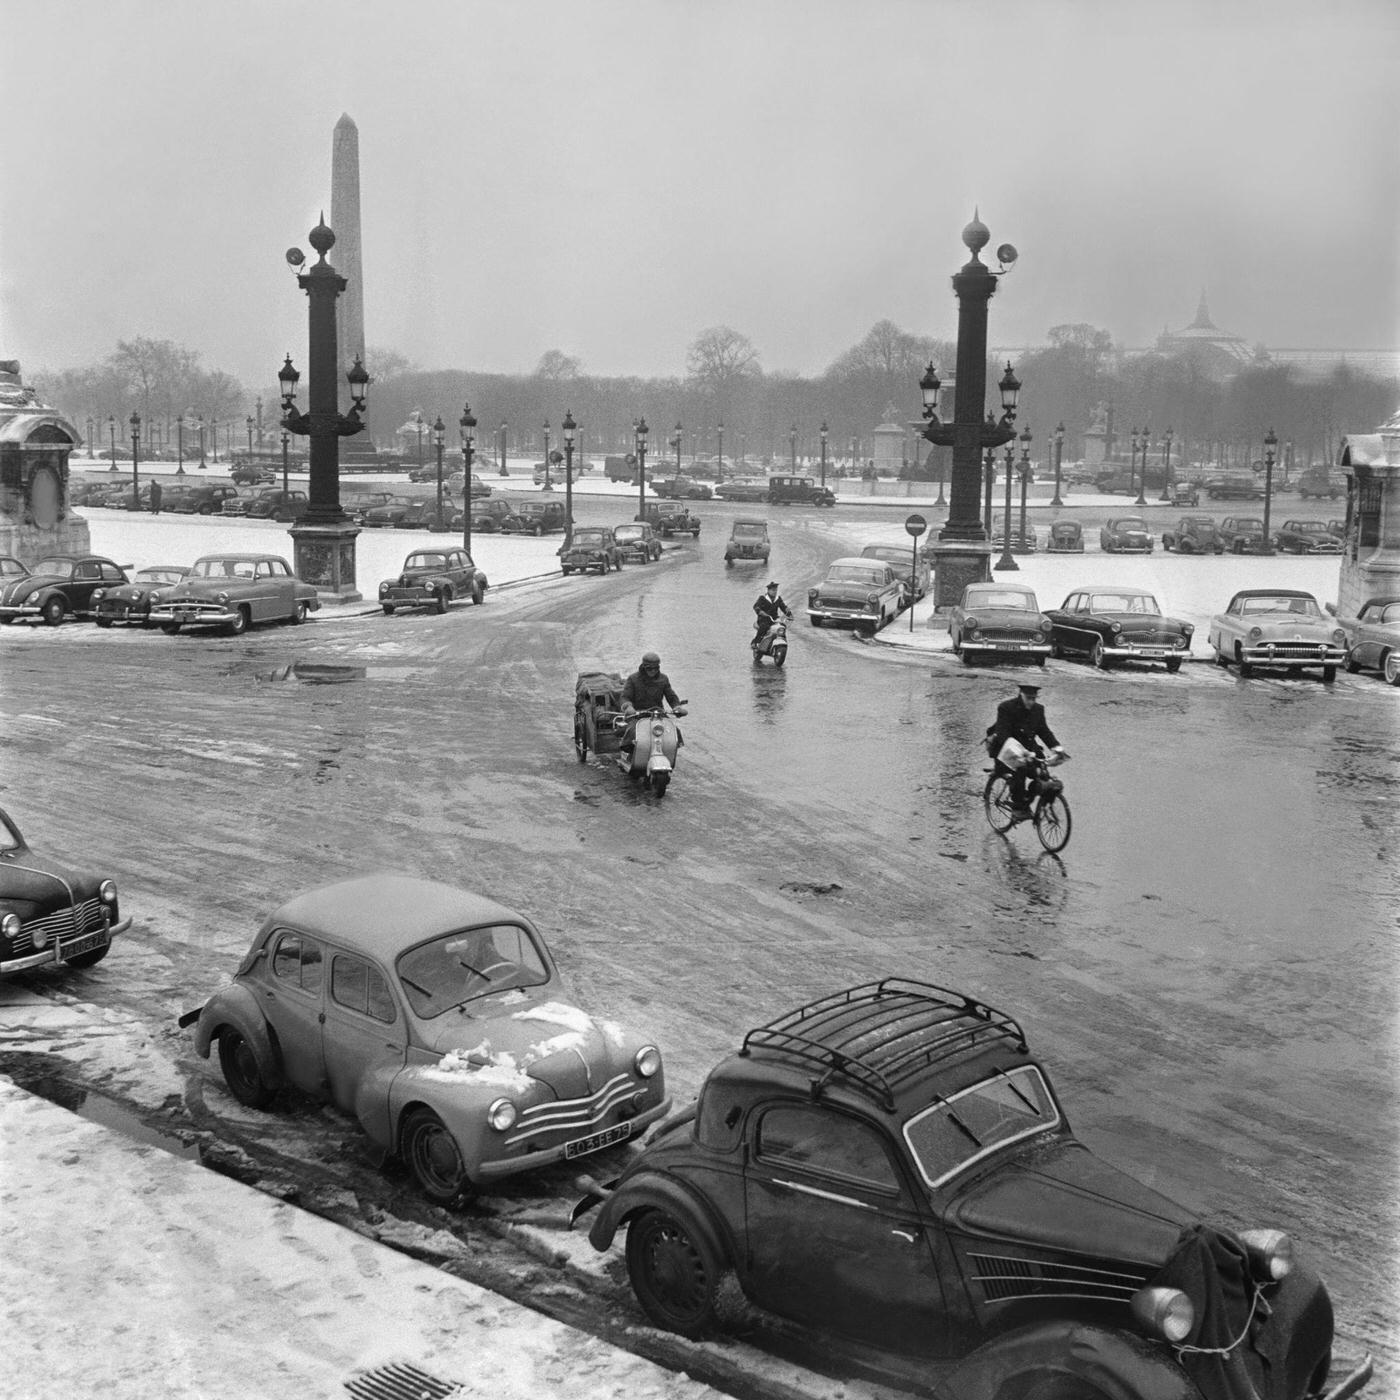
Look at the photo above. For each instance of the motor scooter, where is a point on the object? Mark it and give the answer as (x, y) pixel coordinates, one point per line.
(773, 643)
(656, 745)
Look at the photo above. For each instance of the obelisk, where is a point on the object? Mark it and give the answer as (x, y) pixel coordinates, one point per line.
(345, 220)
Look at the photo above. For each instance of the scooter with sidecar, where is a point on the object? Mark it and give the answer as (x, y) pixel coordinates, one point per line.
(601, 726)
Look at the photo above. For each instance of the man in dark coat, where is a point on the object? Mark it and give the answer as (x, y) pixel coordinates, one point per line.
(768, 607)
(647, 688)
(1023, 719)
(155, 498)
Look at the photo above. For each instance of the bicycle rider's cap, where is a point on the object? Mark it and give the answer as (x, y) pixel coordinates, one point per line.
(1030, 686)
(772, 585)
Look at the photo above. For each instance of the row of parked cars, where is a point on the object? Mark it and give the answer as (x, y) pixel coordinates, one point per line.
(1191, 534)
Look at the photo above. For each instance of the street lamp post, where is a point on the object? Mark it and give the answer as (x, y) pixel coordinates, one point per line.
(89, 436)
(466, 427)
(639, 437)
(135, 452)
(823, 432)
(112, 438)
(250, 434)
(1266, 545)
(324, 538)
(792, 448)
(1059, 455)
(990, 472)
(502, 431)
(854, 472)
(719, 456)
(259, 421)
(439, 435)
(570, 428)
(1142, 468)
(286, 463)
(676, 443)
(548, 482)
(180, 445)
(1166, 466)
(1025, 482)
(1006, 561)
(203, 463)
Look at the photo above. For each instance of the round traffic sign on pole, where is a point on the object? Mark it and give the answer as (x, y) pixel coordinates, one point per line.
(916, 525)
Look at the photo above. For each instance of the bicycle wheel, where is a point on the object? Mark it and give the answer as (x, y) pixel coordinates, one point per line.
(996, 800)
(1052, 823)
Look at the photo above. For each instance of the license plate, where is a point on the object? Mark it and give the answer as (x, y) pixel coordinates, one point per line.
(85, 944)
(579, 1147)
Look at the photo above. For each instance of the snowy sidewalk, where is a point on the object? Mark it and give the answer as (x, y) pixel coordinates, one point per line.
(129, 1272)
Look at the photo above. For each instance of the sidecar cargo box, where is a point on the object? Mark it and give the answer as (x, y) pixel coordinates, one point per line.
(599, 689)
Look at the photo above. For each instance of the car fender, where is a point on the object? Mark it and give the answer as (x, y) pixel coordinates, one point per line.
(236, 1006)
(1098, 1360)
(657, 1191)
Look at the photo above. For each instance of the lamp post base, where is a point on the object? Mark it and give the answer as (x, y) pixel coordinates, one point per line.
(956, 563)
(324, 557)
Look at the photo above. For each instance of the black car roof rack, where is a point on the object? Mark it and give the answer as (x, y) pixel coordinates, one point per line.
(880, 1033)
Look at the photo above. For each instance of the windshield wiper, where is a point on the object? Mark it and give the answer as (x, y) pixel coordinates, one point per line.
(958, 1123)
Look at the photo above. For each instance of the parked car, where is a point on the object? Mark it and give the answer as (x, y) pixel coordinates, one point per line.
(390, 515)
(235, 591)
(438, 1018)
(1021, 542)
(998, 619)
(1114, 623)
(51, 914)
(591, 547)
(131, 601)
(637, 542)
(10, 567)
(866, 592)
(1184, 493)
(1279, 629)
(1373, 638)
(911, 567)
(433, 578)
(748, 539)
(1239, 486)
(253, 473)
(1320, 482)
(621, 468)
(892, 1164)
(534, 518)
(1121, 482)
(488, 515)
(1338, 528)
(57, 587)
(1306, 537)
(358, 504)
(798, 490)
(678, 488)
(449, 521)
(278, 505)
(673, 520)
(1194, 534)
(1128, 534)
(1242, 534)
(743, 488)
(244, 501)
(557, 471)
(1065, 537)
(201, 500)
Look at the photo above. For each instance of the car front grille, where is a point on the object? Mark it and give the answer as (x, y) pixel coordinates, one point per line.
(548, 1124)
(1150, 637)
(1005, 1277)
(86, 917)
(1297, 651)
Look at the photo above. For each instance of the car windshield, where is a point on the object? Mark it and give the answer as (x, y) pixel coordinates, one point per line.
(219, 567)
(1306, 607)
(53, 566)
(1124, 602)
(849, 573)
(425, 561)
(1310, 526)
(1131, 523)
(459, 967)
(160, 575)
(624, 532)
(1000, 598)
(587, 537)
(750, 532)
(959, 1130)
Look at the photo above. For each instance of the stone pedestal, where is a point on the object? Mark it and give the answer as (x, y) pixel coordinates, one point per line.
(956, 563)
(1371, 560)
(324, 556)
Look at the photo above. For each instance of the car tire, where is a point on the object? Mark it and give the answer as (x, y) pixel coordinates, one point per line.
(388, 609)
(1246, 670)
(433, 1157)
(815, 620)
(443, 600)
(300, 614)
(242, 1073)
(170, 629)
(239, 625)
(1390, 667)
(1349, 666)
(538, 530)
(673, 1275)
(1329, 674)
(1098, 658)
(1173, 665)
(1220, 658)
(52, 610)
(478, 595)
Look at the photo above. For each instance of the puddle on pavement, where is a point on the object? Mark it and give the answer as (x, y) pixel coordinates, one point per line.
(109, 1114)
(316, 673)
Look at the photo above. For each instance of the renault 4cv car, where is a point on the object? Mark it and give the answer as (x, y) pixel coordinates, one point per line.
(1065, 537)
(533, 518)
(49, 913)
(433, 578)
(1193, 534)
(590, 547)
(438, 1018)
(891, 1163)
(1277, 629)
(638, 542)
(1128, 534)
(748, 540)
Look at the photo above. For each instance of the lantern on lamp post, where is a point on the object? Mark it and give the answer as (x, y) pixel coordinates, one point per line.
(466, 429)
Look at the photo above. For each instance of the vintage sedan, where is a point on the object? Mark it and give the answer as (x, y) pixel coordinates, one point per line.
(234, 591)
(1242, 534)
(391, 515)
(748, 541)
(866, 592)
(246, 501)
(677, 488)
(1128, 534)
(911, 567)
(534, 518)
(12, 568)
(1112, 623)
(1065, 537)
(1184, 493)
(59, 586)
(356, 504)
(786, 490)
(590, 547)
(743, 488)
(999, 619)
(433, 578)
(132, 601)
(1194, 534)
(49, 913)
(439, 1020)
(1306, 537)
(1277, 629)
(201, 500)
(1373, 638)
(487, 516)
(1023, 541)
(892, 1165)
(637, 542)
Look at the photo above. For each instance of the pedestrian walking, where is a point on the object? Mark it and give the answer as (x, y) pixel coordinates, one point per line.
(155, 498)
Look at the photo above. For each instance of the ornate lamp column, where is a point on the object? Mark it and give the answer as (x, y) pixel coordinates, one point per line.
(640, 431)
(502, 430)
(1059, 454)
(823, 438)
(112, 438)
(990, 470)
(203, 460)
(1006, 561)
(1025, 482)
(1142, 470)
(135, 453)
(548, 482)
(792, 448)
(439, 437)
(962, 551)
(1166, 466)
(570, 428)
(180, 444)
(1266, 545)
(719, 455)
(324, 538)
(466, 427)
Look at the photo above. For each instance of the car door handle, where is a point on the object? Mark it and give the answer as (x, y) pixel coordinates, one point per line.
(905, 1235)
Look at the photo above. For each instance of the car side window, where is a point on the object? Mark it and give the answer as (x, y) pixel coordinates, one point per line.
(360, 986)
(296, 959)
(830, 1144)
(111, 573)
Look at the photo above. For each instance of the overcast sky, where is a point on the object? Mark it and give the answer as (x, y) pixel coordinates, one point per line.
(611, 177)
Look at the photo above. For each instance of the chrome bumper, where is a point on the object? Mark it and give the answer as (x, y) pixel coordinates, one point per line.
(21, 610)
(50, 954)
(1149, 652)
(1270, 656)
(193, 615)
(530, 1160)
(830, 614)
(1008, 648)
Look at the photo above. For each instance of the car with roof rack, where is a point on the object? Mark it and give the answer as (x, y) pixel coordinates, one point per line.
(891, 1164)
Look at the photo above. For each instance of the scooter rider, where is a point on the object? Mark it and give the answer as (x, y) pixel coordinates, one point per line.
(768, 607)
(647, 688)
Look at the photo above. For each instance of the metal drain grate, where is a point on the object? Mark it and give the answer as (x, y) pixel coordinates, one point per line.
(397, 1382)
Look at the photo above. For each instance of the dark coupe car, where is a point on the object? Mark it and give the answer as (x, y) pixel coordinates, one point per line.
(60, 586)
(433, 578)
(1113, 623)
(999, 619)
(438, 1019)
(678, 488)
(534, 518)
(1306, 537)
(132, 602)
(1373, 638)
(390, 515)
(280, 505)
(234, 591)
(1065, 537)
(1128, 534)
(916, 575)
(892, 1164)
(744, 488)
(1242, 534)
(488, 515)
(1194, 534)
(50, 913)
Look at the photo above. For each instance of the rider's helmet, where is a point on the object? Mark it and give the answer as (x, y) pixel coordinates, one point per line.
(651, 663)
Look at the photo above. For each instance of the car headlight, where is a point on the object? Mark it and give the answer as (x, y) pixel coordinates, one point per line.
(1165, 1312)
(98, 594)
(1046, 626)
(107, 892)
(970, 626)
(1270, 1252)
(1255, 633)
(1116, 628)
(501, 1115)
(383, 588)
(1339, 636)
(157, 596)
(647, 1061)
(1187, 628)
(221, 599)
(10, 926)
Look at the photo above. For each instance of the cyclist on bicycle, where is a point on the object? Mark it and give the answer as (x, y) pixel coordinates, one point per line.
(1023, 719)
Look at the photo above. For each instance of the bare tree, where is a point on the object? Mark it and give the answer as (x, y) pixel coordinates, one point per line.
(158, 372)
(385, 364)
(555, 364)
(720, 358)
